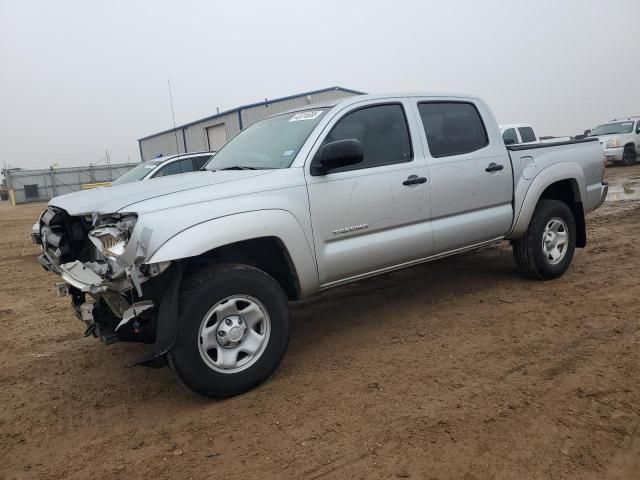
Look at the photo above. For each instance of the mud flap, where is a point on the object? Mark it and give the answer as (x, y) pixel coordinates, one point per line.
(167, 325)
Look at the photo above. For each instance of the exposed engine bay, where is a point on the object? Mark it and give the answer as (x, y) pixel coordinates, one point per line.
(112, 291)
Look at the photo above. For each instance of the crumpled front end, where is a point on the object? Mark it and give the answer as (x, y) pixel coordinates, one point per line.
(101, 262)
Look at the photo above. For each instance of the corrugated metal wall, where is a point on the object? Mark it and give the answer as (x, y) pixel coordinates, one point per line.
(58, 181)
(163, 144)
(195, 135)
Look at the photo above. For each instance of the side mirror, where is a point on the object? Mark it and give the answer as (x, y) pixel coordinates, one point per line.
(638, 130)
(509, 141)
(341, 153)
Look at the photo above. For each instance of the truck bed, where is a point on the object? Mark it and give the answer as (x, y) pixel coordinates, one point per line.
(529, 146)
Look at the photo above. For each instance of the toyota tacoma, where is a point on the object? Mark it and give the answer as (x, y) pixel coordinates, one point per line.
(202, 265)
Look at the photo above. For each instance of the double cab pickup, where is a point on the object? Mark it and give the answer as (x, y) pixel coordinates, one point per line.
(202, 265)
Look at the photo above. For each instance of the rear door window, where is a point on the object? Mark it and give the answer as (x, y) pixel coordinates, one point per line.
(527, 134)
(199, 162)
(510, 136)
(452, 128)
(170, 169)
(186, 165)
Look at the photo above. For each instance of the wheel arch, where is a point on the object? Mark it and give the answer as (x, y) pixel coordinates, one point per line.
(568, 192)
(564, 182)
(271, 240)
(268, 254)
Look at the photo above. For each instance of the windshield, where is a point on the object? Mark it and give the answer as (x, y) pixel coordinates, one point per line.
(613, 128)
(271, 143)
(137, 173)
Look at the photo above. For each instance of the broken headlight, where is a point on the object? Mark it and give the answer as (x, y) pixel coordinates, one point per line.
(111, 239)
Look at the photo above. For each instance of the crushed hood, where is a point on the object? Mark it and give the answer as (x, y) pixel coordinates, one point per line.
(107, 200)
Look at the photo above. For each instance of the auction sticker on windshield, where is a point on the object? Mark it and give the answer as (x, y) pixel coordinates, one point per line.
(310, 115)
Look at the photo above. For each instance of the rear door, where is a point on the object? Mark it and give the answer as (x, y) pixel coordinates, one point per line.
(375, 214)
(470, 174)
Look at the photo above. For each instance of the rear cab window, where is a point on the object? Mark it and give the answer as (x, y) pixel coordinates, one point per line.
(510, 136)
(452, 128)
(527, 134)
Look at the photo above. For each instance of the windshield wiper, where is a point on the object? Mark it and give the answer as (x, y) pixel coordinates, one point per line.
(238, 167)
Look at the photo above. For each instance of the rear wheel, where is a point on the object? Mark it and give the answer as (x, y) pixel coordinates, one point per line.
(546, 249)
(233, 330)
(629, 156)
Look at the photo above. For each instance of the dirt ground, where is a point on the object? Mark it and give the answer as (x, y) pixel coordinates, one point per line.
(458, 369)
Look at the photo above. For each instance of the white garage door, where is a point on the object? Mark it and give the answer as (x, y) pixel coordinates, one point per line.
(217, 136)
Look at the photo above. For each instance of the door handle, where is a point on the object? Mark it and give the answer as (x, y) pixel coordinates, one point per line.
(494, 167)
(414, 180)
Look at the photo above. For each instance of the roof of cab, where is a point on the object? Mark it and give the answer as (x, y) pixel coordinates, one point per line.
(377, 96)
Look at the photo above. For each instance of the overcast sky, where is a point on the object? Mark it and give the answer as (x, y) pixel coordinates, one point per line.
(79, 77)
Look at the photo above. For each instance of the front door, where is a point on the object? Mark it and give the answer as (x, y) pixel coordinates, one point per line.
(375, 214)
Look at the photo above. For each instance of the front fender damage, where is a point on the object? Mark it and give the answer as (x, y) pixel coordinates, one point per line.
(166, 324)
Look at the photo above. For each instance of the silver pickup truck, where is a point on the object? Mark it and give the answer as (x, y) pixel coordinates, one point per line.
(202, 265)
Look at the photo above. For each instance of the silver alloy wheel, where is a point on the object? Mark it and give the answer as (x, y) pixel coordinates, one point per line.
(555, 240)
(234, 334)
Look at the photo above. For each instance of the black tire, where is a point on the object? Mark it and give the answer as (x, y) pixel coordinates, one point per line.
(201, 292)
(629, 157)
(528, 249)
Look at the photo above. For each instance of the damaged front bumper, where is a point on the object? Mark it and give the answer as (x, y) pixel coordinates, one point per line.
(106, 289)
(112, 310)
(82, 278)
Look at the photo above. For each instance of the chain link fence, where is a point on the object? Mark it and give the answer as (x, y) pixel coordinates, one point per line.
(41, 185)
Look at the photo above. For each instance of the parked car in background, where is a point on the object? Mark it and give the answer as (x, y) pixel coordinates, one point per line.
(523, 133)
(620, 139)
(165, 166)
(300, 202)
(518, 133)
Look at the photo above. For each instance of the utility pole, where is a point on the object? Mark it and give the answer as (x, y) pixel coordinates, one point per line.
(173, 116)
(106, 152)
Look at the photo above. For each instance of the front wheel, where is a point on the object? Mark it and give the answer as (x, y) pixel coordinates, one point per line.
(233, 330)
(546, 249)
(629, 157)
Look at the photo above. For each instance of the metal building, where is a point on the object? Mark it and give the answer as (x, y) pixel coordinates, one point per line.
(211, 133)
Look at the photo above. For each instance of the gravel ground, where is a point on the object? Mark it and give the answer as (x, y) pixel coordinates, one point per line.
(458, 369)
